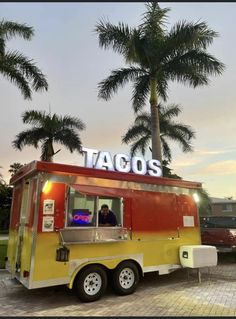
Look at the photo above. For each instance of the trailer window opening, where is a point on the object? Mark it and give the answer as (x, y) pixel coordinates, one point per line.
(83, 209)
(115, 205)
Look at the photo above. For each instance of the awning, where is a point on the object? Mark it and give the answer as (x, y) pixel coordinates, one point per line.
(100, 191)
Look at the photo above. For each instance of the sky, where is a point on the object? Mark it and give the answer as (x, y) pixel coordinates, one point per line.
(65, 47)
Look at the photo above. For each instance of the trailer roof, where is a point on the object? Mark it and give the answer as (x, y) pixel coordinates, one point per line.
(65, 169)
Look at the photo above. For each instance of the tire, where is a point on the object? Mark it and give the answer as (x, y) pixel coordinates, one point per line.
(90, 284)
(125, 278)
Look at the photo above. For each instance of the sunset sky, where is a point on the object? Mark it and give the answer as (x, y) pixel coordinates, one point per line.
(66, 49)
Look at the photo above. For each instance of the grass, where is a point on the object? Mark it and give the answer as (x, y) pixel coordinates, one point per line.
(3, 252)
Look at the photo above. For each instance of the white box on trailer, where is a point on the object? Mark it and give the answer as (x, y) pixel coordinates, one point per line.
(197, 256)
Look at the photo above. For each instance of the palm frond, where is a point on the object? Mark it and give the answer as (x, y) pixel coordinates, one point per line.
(28, 137)
(70, 139)
(167, 112)
(202, 62)
(118, 78)
(143, 119)
(170, 130)
(2, 46)
(141, 145)
(116, 37)
(141, 89)
(186, 130)
(33, 117)
(9, 29)
(188, 35)
(193, 68)
(181, 134)
(73, 122)
(154, 20)
(162, 87)
(27, 69)
(135, 132)
(166, 149)
(15, 66)
(15, 76)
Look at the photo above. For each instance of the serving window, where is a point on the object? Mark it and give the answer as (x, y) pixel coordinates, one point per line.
(83, 210)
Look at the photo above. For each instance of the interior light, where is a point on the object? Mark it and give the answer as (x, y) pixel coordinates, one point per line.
(196, 198)
(47, 187)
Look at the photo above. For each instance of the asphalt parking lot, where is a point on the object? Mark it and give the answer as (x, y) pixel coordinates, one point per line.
(176, 294)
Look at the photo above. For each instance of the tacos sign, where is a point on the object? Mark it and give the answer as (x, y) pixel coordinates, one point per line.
(121, 163)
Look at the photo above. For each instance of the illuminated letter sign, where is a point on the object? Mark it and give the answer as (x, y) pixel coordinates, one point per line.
(154, 168)
(121, 163)
(104, 160)
(139, 165)
(89, 156)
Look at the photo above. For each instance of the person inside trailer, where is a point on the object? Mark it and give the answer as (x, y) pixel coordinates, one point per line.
(106, 217)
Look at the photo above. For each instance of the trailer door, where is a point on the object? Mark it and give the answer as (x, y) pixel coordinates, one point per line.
(25, 234)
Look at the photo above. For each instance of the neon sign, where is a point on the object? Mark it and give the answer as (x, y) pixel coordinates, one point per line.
(121, 163)
(81, 217)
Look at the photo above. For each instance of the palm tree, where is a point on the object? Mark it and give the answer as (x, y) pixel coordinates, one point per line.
(48, 129)
(16, 67)
(14, 168)
(167, 171)
(1, 177)
(155, 57)
(140, 133)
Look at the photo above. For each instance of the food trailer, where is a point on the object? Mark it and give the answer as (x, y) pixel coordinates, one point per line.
(55, 237)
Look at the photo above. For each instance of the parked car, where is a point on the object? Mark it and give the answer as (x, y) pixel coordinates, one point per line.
(219, 231)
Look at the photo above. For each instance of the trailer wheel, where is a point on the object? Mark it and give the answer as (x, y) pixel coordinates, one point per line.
(125, 278)
(90, 283)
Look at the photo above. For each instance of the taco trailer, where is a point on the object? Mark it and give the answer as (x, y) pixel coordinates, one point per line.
(55, 238)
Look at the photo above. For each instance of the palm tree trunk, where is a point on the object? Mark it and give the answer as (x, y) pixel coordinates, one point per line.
(155, 122)
(50, 151)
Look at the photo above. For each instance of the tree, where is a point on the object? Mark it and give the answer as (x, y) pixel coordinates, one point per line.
(155, 57)
(14, 168)
(204, 205)
(48, 129)
(16, 67)
(5, 205)
(1, 177)
(167, 172)
(139, 134)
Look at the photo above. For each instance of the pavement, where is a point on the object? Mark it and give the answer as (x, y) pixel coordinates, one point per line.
(176, 294)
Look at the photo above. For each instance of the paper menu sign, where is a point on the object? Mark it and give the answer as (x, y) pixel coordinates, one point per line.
(48, 223)
(48, 206)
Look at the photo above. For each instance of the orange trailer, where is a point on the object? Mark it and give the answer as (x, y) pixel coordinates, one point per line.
(55, 237)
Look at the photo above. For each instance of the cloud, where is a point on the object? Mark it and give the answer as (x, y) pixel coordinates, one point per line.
(214, 152)
(198, 157)
(185, 163)
(218, 168)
